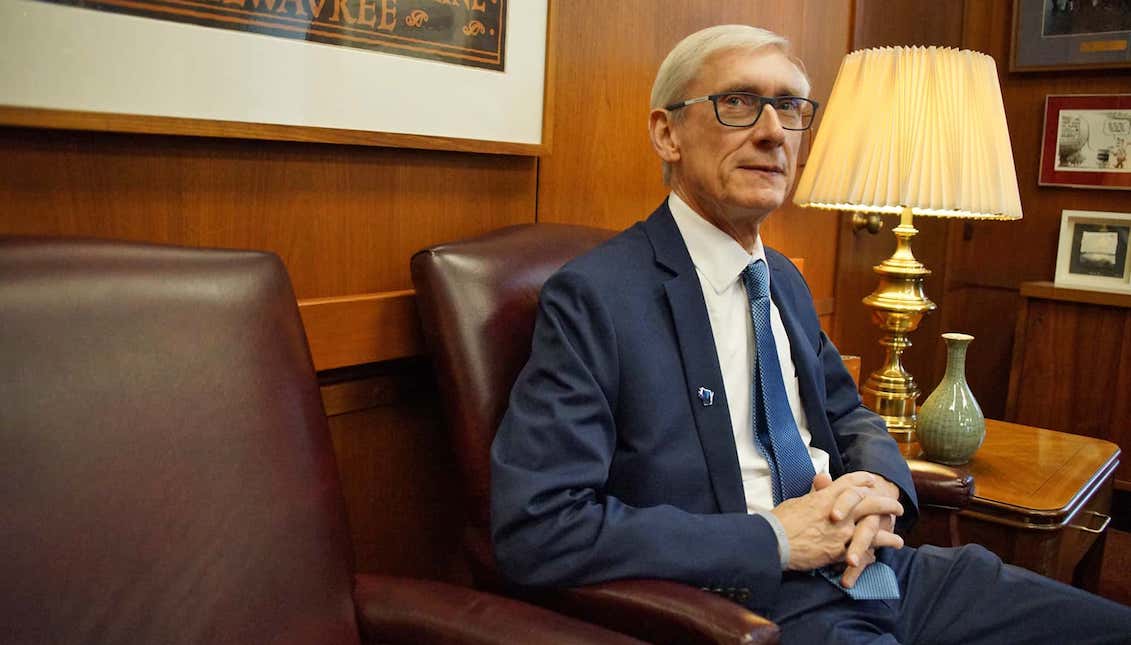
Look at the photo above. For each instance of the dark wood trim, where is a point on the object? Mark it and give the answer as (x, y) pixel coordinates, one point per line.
(404, 382)
(1017, 362)
(1042, 519)
(145, 124)
(362, 394)
(361, 328)
(1049, 291)
(549, 75)
(373, 327)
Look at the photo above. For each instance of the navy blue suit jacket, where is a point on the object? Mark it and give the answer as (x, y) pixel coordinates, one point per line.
(607, 465)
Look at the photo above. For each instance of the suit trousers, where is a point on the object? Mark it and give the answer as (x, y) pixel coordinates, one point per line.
(965, 595)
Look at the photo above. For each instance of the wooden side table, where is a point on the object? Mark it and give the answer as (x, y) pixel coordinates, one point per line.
(1041, 500)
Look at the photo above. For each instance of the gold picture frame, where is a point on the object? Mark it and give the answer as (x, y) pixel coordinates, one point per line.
(68, 67)
(1055, 35)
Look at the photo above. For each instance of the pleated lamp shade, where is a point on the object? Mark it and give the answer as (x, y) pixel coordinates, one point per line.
(922, 127)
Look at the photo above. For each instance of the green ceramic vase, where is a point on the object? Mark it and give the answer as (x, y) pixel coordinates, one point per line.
(951, 424)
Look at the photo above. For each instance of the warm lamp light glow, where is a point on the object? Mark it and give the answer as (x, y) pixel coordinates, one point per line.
(913, 131)
(914, 126)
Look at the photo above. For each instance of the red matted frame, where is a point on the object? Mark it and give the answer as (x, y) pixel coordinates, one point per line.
(1054, 174)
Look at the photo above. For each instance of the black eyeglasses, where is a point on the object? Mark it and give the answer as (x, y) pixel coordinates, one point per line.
(742, 109)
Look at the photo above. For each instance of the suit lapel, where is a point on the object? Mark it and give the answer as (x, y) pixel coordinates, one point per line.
(700, 360)
(804, 360)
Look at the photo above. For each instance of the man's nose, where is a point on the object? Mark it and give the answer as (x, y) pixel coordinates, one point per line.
(767, 129)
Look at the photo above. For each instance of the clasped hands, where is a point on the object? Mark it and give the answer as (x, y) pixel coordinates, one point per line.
(841, 521)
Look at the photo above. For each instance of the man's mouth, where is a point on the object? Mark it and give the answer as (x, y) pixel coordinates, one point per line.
(767, 168)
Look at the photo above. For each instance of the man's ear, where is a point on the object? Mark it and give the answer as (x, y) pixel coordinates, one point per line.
(664, 139)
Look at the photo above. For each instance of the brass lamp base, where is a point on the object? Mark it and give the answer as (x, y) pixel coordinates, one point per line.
(898, 304)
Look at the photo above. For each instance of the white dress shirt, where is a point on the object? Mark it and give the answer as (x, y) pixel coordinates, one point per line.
(719, 261)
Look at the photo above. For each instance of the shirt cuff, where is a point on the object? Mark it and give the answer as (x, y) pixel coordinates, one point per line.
(779, 532)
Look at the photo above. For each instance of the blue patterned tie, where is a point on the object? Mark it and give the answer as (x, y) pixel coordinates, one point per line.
(778, 439)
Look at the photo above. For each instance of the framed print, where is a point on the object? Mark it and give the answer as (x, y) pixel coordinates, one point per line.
(1092, 253)
(1070, 34)
(416, 73)
(1086, 140)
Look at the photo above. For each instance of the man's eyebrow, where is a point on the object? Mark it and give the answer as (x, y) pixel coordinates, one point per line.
(750, 89)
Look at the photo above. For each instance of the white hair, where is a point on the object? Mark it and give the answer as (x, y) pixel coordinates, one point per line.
(684, 61)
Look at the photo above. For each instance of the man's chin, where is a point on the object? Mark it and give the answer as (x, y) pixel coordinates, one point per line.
(765, 201)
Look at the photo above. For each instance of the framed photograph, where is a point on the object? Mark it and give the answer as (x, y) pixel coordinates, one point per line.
(1086, 141)
(463, 75)
(1070, 34)
(1093, 251)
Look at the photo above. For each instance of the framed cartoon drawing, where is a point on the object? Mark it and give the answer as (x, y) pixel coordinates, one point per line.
(1086, 141)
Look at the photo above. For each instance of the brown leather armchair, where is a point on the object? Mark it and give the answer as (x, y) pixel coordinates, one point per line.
(478, 301)
(167, 469)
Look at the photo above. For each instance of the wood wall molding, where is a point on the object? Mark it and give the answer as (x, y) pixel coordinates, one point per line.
(362, 328)
(144, 124)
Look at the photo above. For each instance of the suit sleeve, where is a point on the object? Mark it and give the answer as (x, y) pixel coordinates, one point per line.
(861, 434)
(553, 522)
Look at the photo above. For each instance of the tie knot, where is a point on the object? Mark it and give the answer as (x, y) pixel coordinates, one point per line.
(757, 280)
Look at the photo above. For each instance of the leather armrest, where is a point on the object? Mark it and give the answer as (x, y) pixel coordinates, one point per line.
(939, 485)
(661, 611)
(404, 610)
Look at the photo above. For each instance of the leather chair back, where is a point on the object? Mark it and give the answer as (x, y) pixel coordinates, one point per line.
(167, 473)
(478, 300)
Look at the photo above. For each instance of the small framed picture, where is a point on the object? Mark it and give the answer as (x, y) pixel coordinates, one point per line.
(1054, 35)
(1086, 141)
(1093, 251)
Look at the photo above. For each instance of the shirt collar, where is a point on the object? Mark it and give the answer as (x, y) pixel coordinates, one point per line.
(718, 257)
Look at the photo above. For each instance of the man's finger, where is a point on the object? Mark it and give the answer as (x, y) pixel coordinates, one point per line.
(846, 502)
(872, 505)
(822, 481)
(852, 573)
(855, 478)
(888, 539)
(862, 539)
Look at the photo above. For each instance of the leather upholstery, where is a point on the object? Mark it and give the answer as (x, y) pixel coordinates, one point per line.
(942, 486)
(167, 469)
(478, 302)
(390, 611)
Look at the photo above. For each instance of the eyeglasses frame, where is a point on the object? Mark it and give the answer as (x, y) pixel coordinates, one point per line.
(763, 101)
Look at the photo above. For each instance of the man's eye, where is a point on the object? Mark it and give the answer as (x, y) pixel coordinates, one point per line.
(788, 104)
(737, 100)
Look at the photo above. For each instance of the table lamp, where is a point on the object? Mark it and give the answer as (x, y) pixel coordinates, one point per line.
(914, 131)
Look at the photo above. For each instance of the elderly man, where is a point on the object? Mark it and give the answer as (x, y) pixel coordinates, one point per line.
(682, 415)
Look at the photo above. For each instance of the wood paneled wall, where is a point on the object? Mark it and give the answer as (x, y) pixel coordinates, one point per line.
(987, 261)
(602, 170)
(346, 219)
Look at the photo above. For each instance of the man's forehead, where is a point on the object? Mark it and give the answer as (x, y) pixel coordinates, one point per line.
(765, 70)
